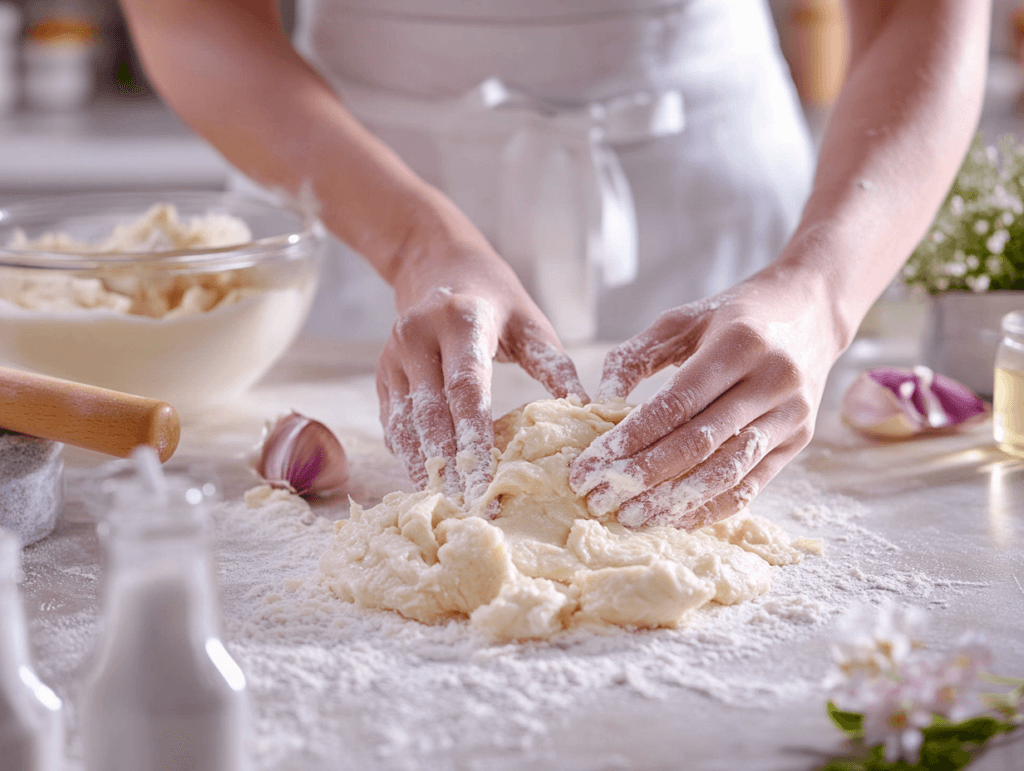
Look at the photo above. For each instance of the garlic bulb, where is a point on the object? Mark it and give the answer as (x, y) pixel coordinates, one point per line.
(303, 456)
(894, 403)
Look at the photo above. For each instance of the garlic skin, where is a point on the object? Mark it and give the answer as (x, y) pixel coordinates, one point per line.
(896, 403)
(302, 456)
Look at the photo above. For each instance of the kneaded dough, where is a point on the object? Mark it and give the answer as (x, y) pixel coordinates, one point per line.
(546, 563)
(131, 289)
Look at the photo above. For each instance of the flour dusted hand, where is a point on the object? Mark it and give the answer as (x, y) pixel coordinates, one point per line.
(752, 368)
(458, 311)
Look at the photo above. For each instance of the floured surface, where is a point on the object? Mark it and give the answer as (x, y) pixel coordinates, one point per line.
(546, 563)
(937, 523)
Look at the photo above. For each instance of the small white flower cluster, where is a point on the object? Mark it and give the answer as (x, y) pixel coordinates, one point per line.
(976, 242)
(884, 674)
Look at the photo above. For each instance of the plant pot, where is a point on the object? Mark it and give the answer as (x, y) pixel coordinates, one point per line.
(962, 332)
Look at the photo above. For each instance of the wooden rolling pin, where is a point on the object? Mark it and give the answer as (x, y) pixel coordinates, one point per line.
(86, 416)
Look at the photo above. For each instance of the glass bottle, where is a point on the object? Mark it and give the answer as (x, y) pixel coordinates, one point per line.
(31, 728)
(1008, 393)
(162, 692)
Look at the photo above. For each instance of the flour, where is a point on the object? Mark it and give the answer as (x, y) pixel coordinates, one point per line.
(333, 686)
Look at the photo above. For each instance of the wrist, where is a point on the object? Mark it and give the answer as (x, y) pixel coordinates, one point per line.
(818, 269)
(442, 247)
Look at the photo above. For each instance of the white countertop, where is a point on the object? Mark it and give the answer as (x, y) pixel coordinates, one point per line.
(936, 522)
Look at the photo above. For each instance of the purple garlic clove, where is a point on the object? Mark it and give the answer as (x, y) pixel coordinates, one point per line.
(895, 403)
(303, 456)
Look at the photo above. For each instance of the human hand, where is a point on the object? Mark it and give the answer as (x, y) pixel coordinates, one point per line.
(753, 364)
(456, 315)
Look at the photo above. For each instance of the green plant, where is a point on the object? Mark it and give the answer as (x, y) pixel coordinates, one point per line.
(976, 242)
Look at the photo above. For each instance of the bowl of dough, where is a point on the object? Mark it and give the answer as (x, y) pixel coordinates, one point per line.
(187, 297)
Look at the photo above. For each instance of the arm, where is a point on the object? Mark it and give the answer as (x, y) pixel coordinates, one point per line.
(228, 69)
(754, 360)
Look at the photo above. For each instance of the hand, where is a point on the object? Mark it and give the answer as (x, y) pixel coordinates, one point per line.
(456, 314)
(753, 364)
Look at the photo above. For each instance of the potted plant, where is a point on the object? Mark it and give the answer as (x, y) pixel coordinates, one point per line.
(971, 263)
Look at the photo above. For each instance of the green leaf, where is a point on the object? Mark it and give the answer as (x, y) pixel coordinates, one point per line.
(843, 765)
(851, 723)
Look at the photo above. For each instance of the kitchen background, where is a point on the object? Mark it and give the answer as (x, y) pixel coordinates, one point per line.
(77, 113)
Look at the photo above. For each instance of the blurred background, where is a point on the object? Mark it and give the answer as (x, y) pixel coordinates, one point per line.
(77, 113)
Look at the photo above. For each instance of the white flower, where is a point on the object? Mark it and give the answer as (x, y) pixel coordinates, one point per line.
(1007, 218)
(981, 227)
(942, 284)
(937, 237)
(997, 242)
(979, 283)
(872, 642)
(991, 155)
(895, 718)
(972, 261)
(956, 206)
(909, 270)
(956, 269)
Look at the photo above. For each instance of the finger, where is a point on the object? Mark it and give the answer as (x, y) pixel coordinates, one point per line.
(402, 437)
(384, 396)
(675, 501)
(667, 341)
(549, 365)
(467, 382)
(421, 362)
(701, 379)
(739, 497)
(682, 449)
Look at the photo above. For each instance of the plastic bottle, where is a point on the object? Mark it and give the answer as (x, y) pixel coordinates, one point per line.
(162, 693)
(31, 728)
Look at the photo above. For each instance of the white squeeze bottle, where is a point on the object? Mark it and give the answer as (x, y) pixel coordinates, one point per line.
(31, 727)
(162, 693)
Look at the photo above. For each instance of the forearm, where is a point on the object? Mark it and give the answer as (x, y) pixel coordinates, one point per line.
(895, 140)
(228, 69)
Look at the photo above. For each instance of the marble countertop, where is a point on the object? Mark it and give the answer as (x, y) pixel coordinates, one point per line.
(952, 508)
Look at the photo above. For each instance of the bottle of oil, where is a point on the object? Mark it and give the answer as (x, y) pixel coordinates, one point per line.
(162, 692)
(31, 731)
(1008, 394)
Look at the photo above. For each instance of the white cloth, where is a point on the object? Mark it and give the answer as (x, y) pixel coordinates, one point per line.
(625, 156)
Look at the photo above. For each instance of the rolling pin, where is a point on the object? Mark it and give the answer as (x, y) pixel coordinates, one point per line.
(97, 419)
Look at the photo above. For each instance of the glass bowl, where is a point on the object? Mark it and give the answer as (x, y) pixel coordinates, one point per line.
(193, 318)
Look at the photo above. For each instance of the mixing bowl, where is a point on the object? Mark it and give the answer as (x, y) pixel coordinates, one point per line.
(188, 297)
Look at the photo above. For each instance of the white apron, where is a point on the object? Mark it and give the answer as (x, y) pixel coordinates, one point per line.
(624, 156)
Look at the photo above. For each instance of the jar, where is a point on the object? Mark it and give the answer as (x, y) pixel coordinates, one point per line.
(1008, 393)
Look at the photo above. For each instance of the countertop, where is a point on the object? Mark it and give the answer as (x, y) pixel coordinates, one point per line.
(937, 523)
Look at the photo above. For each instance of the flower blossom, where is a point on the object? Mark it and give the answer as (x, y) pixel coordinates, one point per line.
(899, 689)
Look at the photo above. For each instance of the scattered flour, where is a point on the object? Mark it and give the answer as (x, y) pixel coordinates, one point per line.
(333, 686)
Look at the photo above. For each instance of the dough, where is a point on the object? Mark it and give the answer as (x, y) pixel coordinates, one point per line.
(133, 290)
(546, 563)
